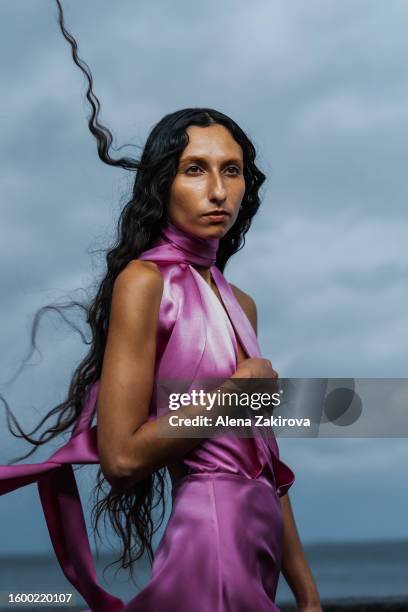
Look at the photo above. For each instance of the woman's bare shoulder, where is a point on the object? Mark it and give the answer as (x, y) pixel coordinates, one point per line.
(140, 278)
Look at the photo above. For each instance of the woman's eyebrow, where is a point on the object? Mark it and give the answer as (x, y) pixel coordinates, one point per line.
(203, 160)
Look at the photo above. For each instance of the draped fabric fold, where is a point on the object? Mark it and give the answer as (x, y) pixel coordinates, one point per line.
(200, 321)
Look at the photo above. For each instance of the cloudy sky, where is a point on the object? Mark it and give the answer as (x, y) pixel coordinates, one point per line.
(321, 88)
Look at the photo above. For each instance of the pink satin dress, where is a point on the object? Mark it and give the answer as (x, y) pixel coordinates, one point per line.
(221, 550)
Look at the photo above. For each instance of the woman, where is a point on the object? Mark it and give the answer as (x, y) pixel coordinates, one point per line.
(164, 310)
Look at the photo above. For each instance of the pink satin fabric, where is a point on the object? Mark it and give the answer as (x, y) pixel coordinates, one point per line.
(221, 550)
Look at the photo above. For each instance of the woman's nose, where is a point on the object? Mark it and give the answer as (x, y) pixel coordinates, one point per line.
(217, 190)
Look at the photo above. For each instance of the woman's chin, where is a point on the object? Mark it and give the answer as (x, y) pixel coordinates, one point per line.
(214, 229)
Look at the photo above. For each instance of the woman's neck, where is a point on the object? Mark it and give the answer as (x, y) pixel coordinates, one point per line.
(205, 273)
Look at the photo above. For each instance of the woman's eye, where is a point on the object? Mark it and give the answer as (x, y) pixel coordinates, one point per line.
(193, 168)
(234, 169)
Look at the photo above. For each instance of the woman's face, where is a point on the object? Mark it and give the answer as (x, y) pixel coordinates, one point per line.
(209, 178)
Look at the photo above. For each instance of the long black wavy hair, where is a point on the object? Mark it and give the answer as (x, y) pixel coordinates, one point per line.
(139, 224)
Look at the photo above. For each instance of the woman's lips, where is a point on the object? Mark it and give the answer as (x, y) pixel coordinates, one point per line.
(216, 216)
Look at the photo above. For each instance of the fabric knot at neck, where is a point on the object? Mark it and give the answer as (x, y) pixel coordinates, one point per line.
(177, 245)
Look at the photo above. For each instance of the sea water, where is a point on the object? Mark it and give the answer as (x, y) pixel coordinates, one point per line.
(366, 570)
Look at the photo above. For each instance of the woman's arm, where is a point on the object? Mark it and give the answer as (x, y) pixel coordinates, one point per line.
(129, 446)
(295, 567)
